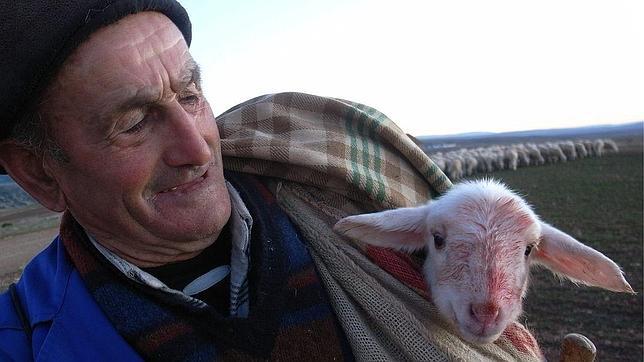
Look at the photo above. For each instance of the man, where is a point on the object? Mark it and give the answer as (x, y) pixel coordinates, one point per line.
(161, 255)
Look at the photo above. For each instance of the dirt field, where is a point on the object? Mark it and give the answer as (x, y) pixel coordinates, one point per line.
(23, 233)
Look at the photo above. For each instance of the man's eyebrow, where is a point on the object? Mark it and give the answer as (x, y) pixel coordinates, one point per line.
(191, 73)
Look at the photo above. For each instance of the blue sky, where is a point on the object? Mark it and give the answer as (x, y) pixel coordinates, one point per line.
(434, 67)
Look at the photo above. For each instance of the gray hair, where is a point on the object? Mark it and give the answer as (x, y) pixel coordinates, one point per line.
(32, 132)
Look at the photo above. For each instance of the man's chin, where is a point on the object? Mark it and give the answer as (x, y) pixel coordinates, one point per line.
(180, 233)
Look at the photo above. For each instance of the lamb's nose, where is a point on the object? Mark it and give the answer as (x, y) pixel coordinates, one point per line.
(485, 313)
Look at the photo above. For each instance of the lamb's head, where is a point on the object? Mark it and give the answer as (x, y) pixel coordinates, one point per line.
(481, 239)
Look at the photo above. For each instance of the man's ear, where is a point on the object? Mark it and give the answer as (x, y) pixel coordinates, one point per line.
(31, 173)
(400, 229)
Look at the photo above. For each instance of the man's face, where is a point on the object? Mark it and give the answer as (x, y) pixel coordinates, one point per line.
(144, 174)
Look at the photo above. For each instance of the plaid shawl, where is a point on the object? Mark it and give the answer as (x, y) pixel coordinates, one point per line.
(331, 158)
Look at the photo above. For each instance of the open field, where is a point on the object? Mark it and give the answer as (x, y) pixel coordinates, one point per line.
(24, 232)
(599, 201)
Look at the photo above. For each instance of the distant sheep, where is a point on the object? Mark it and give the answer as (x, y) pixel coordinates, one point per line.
(536, 158)
(524, 157)
(568, 148)
(598, 147)
(511, 158)
(484, 159)
(589, 147)
(480, 240)
(555, 154)
(454, 168)
(545, 152)
(498, 159)
(440, 162)
(581, 150)
(466, 162)
(471, 164)
(610, 146)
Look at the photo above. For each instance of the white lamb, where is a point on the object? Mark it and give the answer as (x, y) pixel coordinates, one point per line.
(481, 239)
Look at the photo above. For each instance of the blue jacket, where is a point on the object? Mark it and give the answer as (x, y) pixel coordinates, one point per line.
(67, 324)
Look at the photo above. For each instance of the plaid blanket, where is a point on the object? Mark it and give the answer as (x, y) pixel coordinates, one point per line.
(328, 158)
(333, 144)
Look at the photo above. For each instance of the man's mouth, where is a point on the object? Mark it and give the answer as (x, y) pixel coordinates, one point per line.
(185, 187)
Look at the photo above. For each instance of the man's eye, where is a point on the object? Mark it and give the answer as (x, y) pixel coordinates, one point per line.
(191, 99)
(137, 127)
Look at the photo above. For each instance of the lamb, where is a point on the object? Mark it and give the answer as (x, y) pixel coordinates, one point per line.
(481, 239)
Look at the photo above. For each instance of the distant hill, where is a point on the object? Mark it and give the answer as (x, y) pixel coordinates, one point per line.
(11, 195)
(589, 131)
(4, 179)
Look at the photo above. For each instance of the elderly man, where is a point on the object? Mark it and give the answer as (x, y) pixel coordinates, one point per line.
(163, 256)
(131, 151)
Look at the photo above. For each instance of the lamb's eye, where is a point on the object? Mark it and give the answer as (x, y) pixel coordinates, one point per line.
(528, 249)
(439, 241)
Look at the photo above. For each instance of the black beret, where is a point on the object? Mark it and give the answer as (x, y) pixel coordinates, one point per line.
(37, 36)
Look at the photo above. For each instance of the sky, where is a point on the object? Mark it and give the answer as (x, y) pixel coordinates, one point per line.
(434, 67)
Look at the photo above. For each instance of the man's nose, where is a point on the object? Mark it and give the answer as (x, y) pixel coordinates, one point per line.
(185, 141)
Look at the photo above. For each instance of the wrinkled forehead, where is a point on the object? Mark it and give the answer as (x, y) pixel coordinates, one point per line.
(497, 218)
(128, 44)
(141, 55)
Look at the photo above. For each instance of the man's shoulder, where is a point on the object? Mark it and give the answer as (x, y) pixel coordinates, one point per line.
(58, 308)
(25, 304)
(41, 287)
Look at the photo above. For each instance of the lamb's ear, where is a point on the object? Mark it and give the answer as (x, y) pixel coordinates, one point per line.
(401, 229)
(569, 258)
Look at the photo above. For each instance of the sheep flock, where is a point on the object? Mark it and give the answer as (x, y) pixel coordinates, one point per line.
(469, 161)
